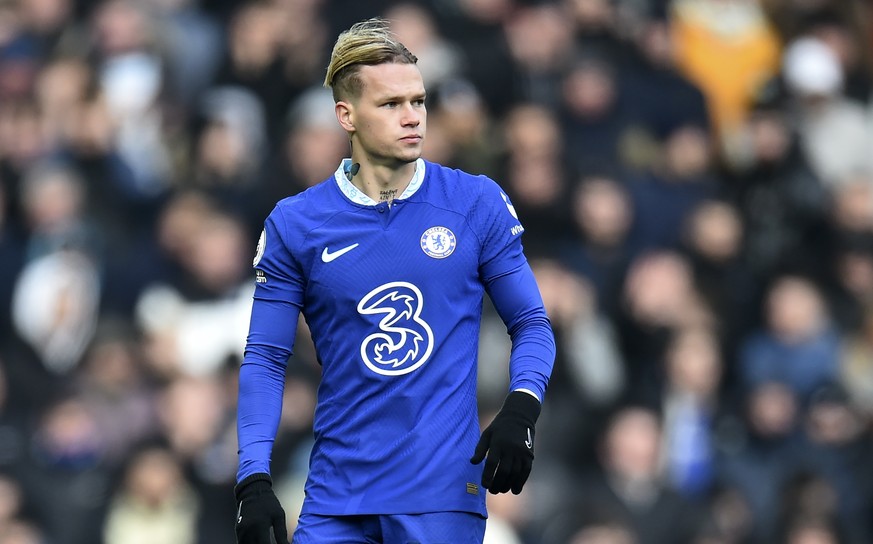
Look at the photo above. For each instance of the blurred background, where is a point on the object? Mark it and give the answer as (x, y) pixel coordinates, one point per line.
(695, 178)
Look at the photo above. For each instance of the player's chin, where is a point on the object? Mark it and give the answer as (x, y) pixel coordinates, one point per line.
(409, 155)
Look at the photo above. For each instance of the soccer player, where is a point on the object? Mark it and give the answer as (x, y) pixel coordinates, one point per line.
(389, 260)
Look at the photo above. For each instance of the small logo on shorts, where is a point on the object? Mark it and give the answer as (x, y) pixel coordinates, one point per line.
(472, 489)
(438, 242)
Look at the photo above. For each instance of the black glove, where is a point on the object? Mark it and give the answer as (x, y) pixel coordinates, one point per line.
(509, 443)
(259, 516)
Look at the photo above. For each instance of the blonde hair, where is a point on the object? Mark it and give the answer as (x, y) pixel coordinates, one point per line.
(366, 43)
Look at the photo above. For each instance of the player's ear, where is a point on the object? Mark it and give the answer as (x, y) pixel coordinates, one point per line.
(345, 115)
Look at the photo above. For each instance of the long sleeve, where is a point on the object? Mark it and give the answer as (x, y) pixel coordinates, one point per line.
(517, 300)
(262, 382)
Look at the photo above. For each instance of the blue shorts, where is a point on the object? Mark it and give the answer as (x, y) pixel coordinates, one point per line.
(431, 528)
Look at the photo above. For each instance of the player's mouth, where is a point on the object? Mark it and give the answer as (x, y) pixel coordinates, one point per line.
(411, 139)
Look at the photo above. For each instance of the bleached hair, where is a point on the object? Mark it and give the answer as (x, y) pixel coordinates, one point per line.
(367, 43)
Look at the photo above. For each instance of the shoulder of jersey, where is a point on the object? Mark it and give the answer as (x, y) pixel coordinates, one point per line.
(310, 202)
(457, 188)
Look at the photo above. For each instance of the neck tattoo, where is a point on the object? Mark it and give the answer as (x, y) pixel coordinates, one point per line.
(387, 195)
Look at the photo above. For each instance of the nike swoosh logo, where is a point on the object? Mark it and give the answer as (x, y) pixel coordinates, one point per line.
(327, 256)
(529, 441)
(239, 513)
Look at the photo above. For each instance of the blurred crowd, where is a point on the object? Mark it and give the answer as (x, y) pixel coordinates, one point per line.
(695, 178)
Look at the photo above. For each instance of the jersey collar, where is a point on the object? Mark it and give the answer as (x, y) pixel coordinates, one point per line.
(358, 197)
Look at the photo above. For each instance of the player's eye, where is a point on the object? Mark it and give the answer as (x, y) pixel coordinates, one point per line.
(418, 102)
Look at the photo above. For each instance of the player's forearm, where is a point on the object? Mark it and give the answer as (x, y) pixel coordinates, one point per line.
(262, 382)
(259, 408)
(532, 358)
(517, 299)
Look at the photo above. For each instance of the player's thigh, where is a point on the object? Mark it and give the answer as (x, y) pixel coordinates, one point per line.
(315, 529)
(433, 528)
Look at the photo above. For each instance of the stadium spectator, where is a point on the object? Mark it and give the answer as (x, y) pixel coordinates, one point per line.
(153, 504)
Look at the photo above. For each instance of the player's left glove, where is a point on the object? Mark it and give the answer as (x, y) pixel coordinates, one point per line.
(508, 441)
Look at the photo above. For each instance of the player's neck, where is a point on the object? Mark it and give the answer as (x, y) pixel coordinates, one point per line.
(382, 183)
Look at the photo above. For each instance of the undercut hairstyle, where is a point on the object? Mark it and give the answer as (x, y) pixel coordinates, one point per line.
(367, 43)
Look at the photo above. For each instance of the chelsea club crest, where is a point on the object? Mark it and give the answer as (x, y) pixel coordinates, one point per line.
(438, 242)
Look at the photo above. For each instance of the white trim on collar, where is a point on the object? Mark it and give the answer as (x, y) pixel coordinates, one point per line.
(358, 197)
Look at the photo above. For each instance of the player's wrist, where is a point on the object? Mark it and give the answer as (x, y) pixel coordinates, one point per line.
(523, 405)
(253, 484)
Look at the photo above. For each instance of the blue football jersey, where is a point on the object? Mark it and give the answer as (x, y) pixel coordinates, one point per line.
(393, 299)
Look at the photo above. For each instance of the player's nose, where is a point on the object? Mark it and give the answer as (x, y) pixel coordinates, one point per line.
(411, 116)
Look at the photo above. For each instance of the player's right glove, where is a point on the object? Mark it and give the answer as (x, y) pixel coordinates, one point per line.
(508, 442)
(260, 518)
